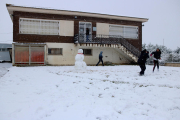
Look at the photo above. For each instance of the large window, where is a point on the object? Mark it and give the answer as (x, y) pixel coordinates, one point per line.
(124, 31)
(38, 26)
(54, 51)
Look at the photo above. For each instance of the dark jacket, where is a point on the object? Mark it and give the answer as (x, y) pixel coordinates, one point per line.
(157, 54)
(143, 57)
(100, 55)
(87, 31)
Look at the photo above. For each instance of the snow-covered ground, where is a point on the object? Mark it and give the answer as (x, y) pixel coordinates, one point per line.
(98, 93)
(4, 68)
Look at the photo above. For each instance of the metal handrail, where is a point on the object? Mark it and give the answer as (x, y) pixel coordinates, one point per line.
(107, 39)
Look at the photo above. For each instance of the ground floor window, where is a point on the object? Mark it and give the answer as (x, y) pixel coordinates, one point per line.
(87, 51)
(55, 51)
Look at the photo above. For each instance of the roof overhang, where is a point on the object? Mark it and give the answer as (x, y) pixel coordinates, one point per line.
(12, 8)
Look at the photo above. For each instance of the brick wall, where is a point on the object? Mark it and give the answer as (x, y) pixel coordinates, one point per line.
(66, 39)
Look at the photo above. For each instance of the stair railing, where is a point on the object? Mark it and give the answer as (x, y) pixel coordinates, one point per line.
(107, 39)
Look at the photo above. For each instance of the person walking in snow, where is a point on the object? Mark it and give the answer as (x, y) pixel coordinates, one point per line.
(142, 61)
(100, 58)
(157, 56)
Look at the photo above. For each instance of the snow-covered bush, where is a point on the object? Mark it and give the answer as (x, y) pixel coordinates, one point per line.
(167, 55)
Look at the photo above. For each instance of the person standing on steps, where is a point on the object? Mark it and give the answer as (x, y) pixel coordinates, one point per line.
(157, 56)
(142, 61)
(100, 58)
(87, 35)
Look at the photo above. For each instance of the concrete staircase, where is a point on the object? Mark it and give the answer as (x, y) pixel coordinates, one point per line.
(118, 47)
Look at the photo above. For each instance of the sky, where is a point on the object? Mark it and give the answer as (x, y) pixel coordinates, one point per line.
(162, 28)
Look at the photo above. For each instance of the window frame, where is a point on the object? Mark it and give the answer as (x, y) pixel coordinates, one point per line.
(56, 49)
(88, 54)
(125, 29)
(40, 30)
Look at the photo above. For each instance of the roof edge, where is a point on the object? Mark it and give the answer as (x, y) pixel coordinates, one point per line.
(12, 7)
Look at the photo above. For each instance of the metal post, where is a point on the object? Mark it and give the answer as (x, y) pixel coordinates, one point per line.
(101, 39)
(13, 53)
(29, 54)
(44, 54)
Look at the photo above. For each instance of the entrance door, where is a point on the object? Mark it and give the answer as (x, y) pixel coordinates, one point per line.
(82, 32)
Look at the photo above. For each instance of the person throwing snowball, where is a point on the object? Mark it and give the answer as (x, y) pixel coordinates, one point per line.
(157, 56)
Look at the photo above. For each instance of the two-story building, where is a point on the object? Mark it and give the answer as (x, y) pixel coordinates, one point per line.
(53, 37)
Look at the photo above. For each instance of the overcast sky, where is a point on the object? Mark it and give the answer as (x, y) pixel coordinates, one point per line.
(163, 15)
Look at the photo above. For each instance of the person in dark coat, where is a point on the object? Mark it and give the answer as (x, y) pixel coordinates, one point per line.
(100, 58)
(142, 61)
(157, 56)
(87, 34)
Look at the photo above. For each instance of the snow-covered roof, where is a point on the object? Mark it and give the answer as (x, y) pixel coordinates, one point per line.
(12, 8)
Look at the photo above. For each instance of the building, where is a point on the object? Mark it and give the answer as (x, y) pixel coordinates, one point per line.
(53, 37)
(5, 52)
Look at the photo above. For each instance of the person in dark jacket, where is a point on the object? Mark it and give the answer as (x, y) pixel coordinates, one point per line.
(87, 34)
(100, 58)
(142, 60)
(157, 56)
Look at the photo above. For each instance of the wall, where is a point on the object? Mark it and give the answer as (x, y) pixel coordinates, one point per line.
(102, 28)
(68, 56)
(67, 39)
(66, 28)
(70, 51)
(173, 64)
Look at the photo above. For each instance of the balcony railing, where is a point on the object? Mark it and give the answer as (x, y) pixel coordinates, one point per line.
(107, 39)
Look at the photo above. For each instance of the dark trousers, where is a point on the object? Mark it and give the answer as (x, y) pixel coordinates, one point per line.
(143, 68)
(87, 38)
(156, 62)
(100, 60)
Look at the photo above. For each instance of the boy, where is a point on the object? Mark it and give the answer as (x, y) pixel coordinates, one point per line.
(157, 56)
(142, 61)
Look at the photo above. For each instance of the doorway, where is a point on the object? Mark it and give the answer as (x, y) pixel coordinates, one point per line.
(83, 38)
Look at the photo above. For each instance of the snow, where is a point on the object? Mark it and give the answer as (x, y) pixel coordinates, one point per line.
(97, 93)
(4, 68)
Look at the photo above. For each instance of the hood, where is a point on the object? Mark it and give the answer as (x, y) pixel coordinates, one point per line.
(143, 51)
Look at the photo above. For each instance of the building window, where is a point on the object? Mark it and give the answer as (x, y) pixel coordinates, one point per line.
(123, 31)
(54, 51)
(87, 51)
(3, 49)
(38, 26)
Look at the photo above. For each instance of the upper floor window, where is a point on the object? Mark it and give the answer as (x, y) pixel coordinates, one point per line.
(124, 31)
(38, 26)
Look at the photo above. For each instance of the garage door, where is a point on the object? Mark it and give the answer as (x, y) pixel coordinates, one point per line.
(29, 55)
